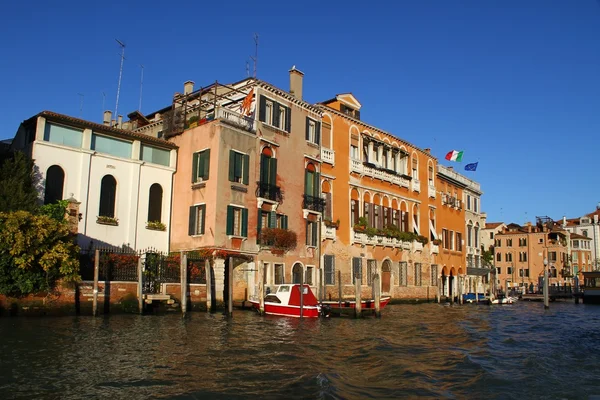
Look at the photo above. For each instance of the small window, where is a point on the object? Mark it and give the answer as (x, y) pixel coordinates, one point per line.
(356, 269)
(279, 277)
(237, 221)
(55, 182)
(155, 155)
(311, 233)
(109, 145)
(403, 273)
(269, 112)
(155, 203)
(329, 261)
(63, 135)
(313, 129)
(434, 275)
(108, 192)
(200, 166)
(308, 276)
(197, 220)
(239, 165)
(418, 274)
(297, 273)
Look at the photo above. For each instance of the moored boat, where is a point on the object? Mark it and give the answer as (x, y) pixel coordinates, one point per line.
(591, 289)
(286, 302)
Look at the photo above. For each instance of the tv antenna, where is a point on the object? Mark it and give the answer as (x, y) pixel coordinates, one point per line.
(255, 58)
(81, 96)
(120, 76)
(103, 101)
(247, 69)
(141, 86)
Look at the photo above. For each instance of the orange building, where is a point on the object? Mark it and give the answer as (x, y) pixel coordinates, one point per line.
(383, 212)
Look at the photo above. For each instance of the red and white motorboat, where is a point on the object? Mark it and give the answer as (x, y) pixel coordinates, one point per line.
(286, 302)
(365, 304)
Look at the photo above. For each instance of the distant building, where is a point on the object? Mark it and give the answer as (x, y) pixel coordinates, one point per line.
(118, 182)
(588, 226)
(489, 231)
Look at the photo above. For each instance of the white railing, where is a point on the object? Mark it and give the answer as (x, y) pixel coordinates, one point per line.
(328, 232)
(236, 118)
(358, 237)
(435, 249)
(417, 246)
(416, 185)
(458, 177)
(431, 191)
(356, 165)
(406, 245)
(389, 241)
(328, 155)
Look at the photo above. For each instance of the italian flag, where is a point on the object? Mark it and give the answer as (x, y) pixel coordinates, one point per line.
(454, 155)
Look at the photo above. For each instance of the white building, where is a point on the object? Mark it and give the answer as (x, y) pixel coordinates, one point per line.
(587, 226)
(122, 180)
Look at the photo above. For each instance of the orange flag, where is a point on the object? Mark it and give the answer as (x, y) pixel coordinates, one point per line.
(247, 103)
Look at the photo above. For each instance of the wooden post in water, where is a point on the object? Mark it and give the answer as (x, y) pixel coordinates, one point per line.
(208, 286)
(377, 295)
(358, 306)
(340, 288)
(183, 280)
(439, 291)
(261, 292)
(230, 288)
(140, 283)
(96, 273)
(461, 283)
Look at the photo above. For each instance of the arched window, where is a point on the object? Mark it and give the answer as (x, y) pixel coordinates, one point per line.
(297, 273)
(55, 182)
(108, 192)
(155, 203)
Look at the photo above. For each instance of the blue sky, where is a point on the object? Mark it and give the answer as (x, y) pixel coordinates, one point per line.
(514, 83)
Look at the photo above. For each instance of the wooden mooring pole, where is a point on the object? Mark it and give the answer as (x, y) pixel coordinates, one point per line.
(183, 278)
(377, 295)
(230, 288)
(139, 288)
(262, 289)
(340, 288)
(208, 287)
(357, 289)
(96, 273)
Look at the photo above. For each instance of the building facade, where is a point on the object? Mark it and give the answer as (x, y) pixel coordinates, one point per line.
(587, 226)
(118, 183)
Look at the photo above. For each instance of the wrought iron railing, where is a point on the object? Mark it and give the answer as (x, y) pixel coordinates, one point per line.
(269, 192)
(113, 266)
(196, 270)
(158, 269)
(313, 203)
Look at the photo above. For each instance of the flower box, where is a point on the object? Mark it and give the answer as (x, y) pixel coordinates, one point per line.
(103, 220)
(156, 226)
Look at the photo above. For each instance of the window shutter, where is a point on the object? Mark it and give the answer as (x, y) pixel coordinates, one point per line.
(245, 222)
(328, 213)
(246, 168)
(258, 226)
(317, 184)
(192, 221)
(231, 165)
(229, 220)
(277, 108)
(202, 222)
(262, 108)
(288, 119)
(272, 219)
(284, 222)
(273, 171)
(307, 133)
(306, 233)
(195, 167)
(264, 168)
(315, 233)
(318, 133)
(205, 164)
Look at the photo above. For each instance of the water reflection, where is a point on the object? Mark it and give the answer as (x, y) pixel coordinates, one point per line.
(428, 350)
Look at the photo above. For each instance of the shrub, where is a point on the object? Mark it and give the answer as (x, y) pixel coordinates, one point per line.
(422, 239)
(156, 225)
(277, 238)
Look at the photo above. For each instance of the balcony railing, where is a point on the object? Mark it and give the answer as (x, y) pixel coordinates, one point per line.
(435, 249)
(431, 191)
(384, 175)
(328, 232)
(416, 185)
(313, 203)
(269, 192)
(236, 119)
(328, 155)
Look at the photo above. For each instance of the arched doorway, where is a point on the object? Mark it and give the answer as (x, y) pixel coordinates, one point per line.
(386, 276)
(55, 182)
(297, 273)
(451, 281)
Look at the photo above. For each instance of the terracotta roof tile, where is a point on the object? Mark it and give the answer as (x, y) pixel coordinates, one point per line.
(493, 225)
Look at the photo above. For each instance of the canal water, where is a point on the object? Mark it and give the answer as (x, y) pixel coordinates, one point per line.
(426, 351)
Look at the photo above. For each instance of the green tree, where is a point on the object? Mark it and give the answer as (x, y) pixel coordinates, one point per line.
(18, 182)
(487, 256)
(35, 251)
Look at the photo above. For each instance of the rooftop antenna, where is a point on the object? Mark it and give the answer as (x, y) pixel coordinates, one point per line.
(141, 86)
(80, 104)
(120, 75)
(255, 58)
(103, 101)
(247, 69)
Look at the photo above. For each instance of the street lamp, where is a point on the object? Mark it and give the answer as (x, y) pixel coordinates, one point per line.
(546, 304)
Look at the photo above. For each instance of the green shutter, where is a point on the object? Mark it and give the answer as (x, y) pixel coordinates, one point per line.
(317, 184)
(246, 169)
(277, 108)
(273, 171)
(202, 223)
(309, 181)
(195, 167)
(272, 219)
(231, 165)
(264, 168)
(288, 119)
(204, 164)
(229, 220)
(258, 226)
(307, 132)
(238, 166)
(314, 233)
(306, 234)
(284, 222)
(318, 133)
(245, 222)
(192, 221)
(261, 109)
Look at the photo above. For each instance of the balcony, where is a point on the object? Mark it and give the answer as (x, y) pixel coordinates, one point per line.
(450, 173)
(431, 191)
(435, 249)
(236, 119)
(328, 232)
(359, 237)
(328, 156)
(416, 246)
(415, 185)
(385, 175)
(313, 203)
(269, 192)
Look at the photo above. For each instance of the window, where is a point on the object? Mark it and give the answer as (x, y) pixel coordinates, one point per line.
(552, 256)
(575, 244)
(491, 235)
(63, 135)
(499, 257)
(311, 233)
(313, 131)
(238, 167)
(308, 276)
(403, 278)
(297, 273)
(274, 114)
(522, 242)
(417, 274)
(155, 155)
(356, 269)
(268, 173)
(55, 182)
(196, 221)
(371, 268)
(475, 204)
(498, 242)
(575, 256)
(431, 175)
(279, 276)
(434, 275)
(451, 237)
(354, 212)
(469, 235)
(155, 203)
(237, 221)
(329, 261)
(200, 166)
(415, 166)
(509, 270)
(445, 239)
(311, 181)
(468, 203)
(108, 193)
(508, 257)
(508, 242)
(458, 241)
(354, 152)
(541, 240)
(476, 233)
(109, 145)
(498, 270)
(584, 233)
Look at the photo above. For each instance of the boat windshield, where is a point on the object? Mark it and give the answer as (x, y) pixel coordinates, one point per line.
(284, 289)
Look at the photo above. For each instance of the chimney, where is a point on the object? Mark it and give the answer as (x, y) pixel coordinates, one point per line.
(120, 121)
(529, 227)
(296, 82)
(188, 87)
(107, 118)
(427, 150)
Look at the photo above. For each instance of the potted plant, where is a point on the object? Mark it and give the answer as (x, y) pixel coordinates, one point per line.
(362, 225)
(279, 240)
(330, 224)
(436, 242)
(422, 239)
(156, 226)
(105, 220)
